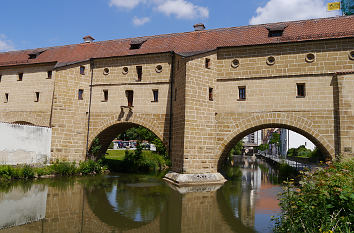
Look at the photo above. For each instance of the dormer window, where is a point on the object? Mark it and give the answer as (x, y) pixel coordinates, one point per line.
(35, 53)
(32, 56)
(276, 30)
(136, 44)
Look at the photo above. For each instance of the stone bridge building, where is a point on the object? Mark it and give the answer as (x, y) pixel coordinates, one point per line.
(200, 92)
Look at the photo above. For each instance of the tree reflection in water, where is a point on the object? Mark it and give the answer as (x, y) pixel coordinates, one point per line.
(128, 202)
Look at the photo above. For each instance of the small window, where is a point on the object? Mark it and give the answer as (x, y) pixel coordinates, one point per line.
(36, 97)
(80, 95)
(276, 33)
(82, 70)
(300, 90)
(276, 30)
(241, 93)
(6, 97)
(211, 98)
(125, 70)
(175, 94)
(130, 97)
(270, 60)
(207, 63)
(158, 69)
(156, 95)
(106, 71)
(20, 77)
(235, 63)
(49, 74)
(139, 71)
(105, 95)
(0, 77)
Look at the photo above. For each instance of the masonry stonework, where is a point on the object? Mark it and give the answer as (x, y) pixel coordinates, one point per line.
(197, 130)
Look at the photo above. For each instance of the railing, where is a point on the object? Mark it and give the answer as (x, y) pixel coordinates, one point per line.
(294, 164)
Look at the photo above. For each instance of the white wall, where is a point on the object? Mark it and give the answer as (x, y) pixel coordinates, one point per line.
(24, 144)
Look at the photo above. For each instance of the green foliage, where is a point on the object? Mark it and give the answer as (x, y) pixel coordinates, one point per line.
(233, 173)
(96, 147)
(160, 147)
(42, 171)
(237, 149)
(302, 152)
(141, 133)
(90, 167)
(323, 201)
(58, 168)
(286, 171)
(137, 133)
(27, 172)
(275, 139)
(263, 147)
(64, 168)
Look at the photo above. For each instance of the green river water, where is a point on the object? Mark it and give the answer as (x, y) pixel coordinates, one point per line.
(142, 203)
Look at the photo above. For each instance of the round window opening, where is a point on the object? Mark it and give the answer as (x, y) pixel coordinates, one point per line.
(271, 60)
(125, 70)
(159, 69)
(105, 71)
(310, 57)
(235, 63)
(351, 55)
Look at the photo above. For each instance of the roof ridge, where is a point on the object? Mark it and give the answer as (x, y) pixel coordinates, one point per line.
(181, 33)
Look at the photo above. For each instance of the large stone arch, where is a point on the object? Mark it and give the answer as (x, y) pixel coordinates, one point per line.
(111, 125)
(253, 123)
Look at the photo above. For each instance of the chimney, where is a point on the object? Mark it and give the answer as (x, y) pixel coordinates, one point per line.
(199, 27)
(88, 39)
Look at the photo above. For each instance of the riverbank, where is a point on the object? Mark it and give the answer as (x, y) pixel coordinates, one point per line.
(324, 195)
(88, 167)
(141, 161)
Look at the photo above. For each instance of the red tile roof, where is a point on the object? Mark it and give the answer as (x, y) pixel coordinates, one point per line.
(190, 42)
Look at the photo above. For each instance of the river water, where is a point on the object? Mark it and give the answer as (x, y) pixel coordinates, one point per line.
(142, 203)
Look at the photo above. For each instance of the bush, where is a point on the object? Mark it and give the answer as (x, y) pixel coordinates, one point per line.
(90, 167)
(27, 172)
(323, 201)
(41, 171)
(64, 168)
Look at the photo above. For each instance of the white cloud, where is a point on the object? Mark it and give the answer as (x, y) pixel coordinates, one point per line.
(5, 44)
(288, 10)
(182, 9)
(140, 21)
(128, 4)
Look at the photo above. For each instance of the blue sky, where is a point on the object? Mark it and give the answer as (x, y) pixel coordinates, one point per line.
(26, 24)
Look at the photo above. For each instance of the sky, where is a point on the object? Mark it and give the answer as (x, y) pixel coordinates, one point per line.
(28, 24)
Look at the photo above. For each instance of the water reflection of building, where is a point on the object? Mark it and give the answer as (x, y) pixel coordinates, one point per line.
(19, 207)
(252, 140)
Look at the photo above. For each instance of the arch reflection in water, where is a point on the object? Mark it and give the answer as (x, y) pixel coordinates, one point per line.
(251, 199)
(128, 202)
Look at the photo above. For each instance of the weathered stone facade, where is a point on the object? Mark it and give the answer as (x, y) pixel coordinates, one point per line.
(204, 126)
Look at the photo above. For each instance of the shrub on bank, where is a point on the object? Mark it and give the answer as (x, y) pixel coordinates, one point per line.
(322, 202)
(58, 168)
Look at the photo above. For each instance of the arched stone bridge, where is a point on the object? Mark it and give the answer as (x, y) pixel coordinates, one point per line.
(198, 99)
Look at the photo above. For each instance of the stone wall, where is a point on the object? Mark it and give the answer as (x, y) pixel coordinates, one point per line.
(21, 105)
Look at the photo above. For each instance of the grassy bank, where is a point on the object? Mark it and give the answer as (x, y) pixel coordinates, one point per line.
(135, 161)
(322, 202)
(8, 172)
